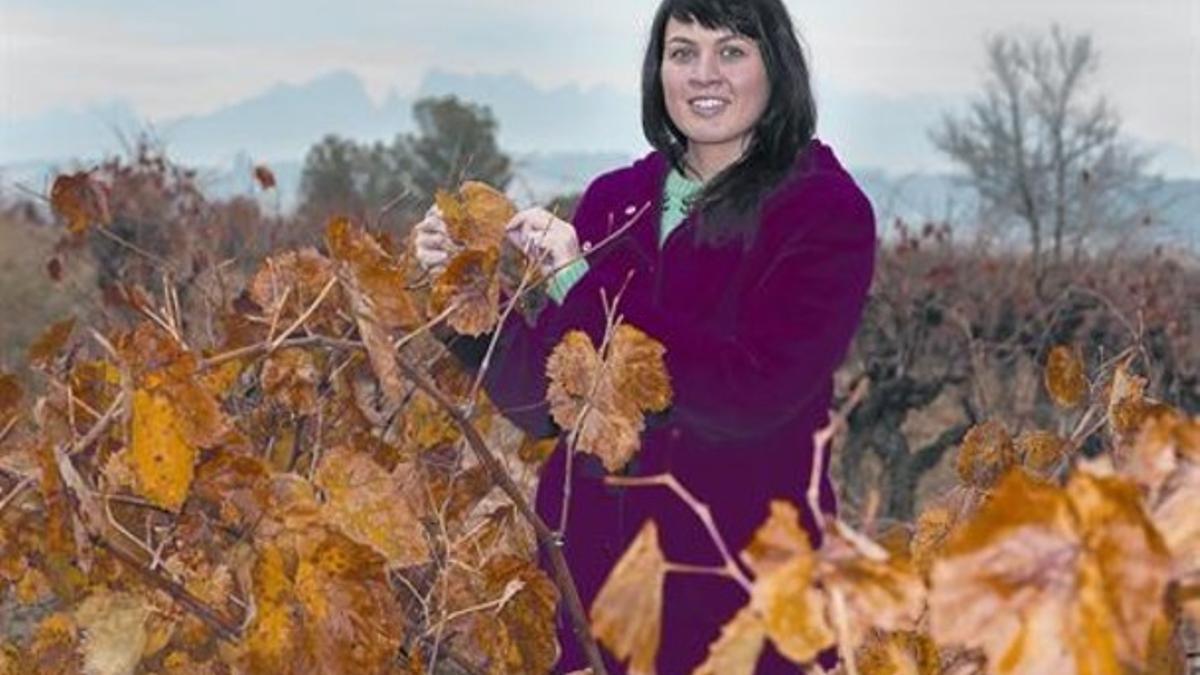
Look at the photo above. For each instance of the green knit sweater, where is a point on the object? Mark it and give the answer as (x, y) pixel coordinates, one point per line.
(675, 194)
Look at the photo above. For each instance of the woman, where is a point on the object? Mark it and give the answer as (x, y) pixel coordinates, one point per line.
(751, 267)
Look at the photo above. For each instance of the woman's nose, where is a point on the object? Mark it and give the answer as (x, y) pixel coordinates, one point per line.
(707, 70)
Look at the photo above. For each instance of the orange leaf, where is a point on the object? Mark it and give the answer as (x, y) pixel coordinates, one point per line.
(1065, 377)
(264, 176)
(379, 276)
(290, 377)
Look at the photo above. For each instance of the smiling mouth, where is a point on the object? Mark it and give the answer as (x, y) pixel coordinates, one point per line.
(707, 107)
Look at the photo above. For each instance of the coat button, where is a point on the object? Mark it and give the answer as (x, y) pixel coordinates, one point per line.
(629, 210)
(675, 433)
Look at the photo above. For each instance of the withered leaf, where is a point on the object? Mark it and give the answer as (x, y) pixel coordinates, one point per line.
(366, 503)
(626, 614)
(1065, 378)
(471, 285)
(986, 452)
(614, 391)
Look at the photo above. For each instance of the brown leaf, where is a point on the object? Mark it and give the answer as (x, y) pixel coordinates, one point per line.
(985, 454)
(47, 347)
(626, 614)
(80, 199)
(470, 284)
(476, 215)
(1041, 452)
(10, 397)
(366, 503)
(264, 176)
(898, 653)
(290, 378)
(1065, 378)
(615, 391)
(379, 277)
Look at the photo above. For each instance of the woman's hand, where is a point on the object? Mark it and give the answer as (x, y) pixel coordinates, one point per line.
(543, 236)
(434, 247)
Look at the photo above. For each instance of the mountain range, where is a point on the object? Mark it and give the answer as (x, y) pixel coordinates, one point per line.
(558, 138)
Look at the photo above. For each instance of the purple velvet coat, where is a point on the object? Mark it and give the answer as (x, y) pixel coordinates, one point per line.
(752, 339)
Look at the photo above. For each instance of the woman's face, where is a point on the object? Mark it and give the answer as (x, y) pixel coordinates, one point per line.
(715, 84)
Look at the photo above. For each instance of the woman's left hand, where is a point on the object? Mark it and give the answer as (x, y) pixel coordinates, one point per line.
(542, 235)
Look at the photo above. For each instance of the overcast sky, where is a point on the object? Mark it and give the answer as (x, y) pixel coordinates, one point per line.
(171, 58)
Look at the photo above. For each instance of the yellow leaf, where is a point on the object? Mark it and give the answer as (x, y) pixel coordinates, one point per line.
(476, 215)
(627, 612)
(162, 459)
(1065, 377)
(366, 503)
(736, 650)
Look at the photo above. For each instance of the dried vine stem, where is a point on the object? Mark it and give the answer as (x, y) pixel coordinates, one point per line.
(546, 538)
(702, 511)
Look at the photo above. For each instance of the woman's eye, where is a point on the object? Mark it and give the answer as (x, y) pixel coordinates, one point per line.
(735, 51)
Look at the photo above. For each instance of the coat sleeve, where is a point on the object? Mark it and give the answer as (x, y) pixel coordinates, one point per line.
(793, 329)
(516, 375)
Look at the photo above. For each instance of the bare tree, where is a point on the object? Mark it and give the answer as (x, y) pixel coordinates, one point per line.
(1035, 148)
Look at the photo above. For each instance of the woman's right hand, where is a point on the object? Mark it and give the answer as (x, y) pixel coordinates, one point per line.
(434, 247)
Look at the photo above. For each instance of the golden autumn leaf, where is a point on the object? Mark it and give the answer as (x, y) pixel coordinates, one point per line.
(1038, 580)
(114, 632)
(626, 614)
(80, 199)
(162, 458)
(736, 650)
(784, 565)
(366, 503)
(470, 284)
(379, 276)
(986, 452)
(476, 215)
(1065, 377)
(615, 391)
(351, 622)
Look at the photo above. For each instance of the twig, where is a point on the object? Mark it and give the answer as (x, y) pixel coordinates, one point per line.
(546, 538)
(837, 422)
(303, 317)
(841, 623)
(610, 326)
(698, 507)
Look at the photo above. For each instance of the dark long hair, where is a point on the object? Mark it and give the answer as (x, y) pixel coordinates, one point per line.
(728, 206)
